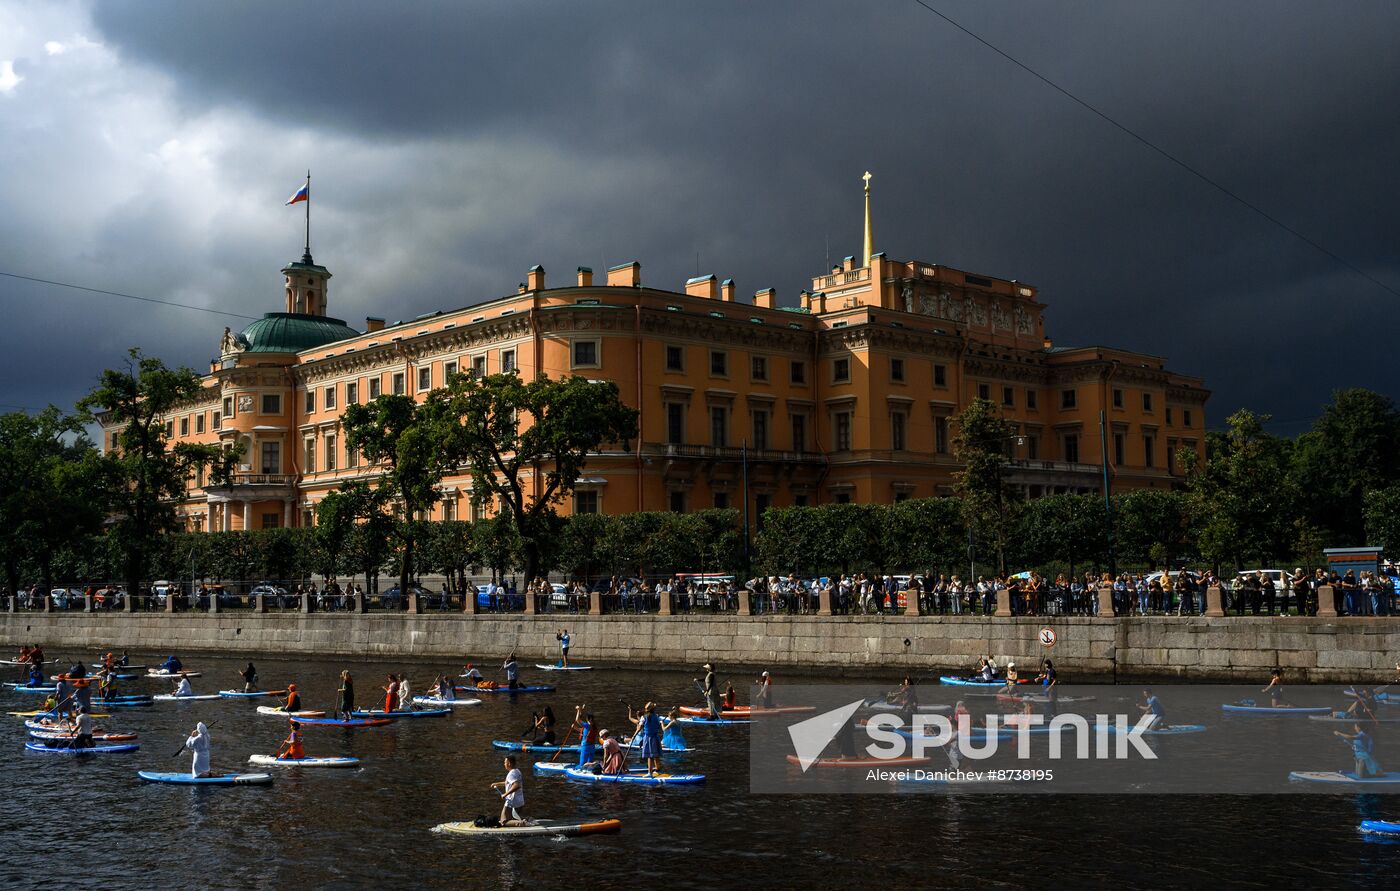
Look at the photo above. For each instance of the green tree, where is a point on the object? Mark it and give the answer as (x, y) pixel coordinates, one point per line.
(1064, 528)
(498, 543)
(1382, 512)
(1153, 525)
(1353, 447)
(505, 428)
(989, 505)
(449, 548)
(1242, 497)
(408, 438)
(144, 474)
(925, 535)
(48, 473)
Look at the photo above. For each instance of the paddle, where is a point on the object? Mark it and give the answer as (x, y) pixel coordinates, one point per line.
(182, 745)
(565, 742)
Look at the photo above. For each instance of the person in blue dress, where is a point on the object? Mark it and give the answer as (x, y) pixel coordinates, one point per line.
(1362, 746)
(671, 738)
(648, 734)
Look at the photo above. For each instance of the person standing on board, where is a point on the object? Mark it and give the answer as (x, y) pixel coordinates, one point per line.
(82, 738)
(710, 689)
(647, 735)
(250, 679)
(765, 691)
(345, 702)
(563, 638)
(198, 743)
(512, 670)
(587, 734)
(512, 794)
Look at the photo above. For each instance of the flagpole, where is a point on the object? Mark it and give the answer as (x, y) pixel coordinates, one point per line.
(308, 215)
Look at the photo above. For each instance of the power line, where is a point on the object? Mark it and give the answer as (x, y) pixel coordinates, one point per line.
(45, 281)
(1164, 153)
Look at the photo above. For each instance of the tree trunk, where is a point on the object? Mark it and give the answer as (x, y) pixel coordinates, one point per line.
(406, 568)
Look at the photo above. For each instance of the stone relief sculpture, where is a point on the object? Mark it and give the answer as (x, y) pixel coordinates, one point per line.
(907, 295)
(1000, 317)
(1023, 321)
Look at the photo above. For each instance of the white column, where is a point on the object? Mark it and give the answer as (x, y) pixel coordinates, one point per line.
(226, 515)
(247, 515)
(287, 512)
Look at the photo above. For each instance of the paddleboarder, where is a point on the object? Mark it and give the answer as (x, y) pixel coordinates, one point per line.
(512, 670)
(405, 697)
(391, 693)
(1362, 746)
(1152, 706)
(472, 676)
(563, 638)
(291, 747)
(82, 738)
(710, 689)
(512, 791)
(198, 743)
(250, 679)
(671, 738)
(183, 688)
(171, 665)
(1275, 689)
(587, 734)
(345, 702)
(293, 703)
(765, 691)
(647, 734)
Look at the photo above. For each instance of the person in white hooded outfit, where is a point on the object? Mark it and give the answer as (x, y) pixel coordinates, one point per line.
(199, 744)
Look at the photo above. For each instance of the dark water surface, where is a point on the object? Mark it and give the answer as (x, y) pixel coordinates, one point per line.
(79, 823)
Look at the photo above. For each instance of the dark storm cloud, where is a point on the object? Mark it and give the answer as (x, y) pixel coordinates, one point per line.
(461, 143)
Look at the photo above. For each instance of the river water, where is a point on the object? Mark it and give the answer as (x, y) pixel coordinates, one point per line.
(80, 823)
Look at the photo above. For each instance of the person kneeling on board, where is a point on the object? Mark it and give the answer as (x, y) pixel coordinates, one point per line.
(291, 748)
(198, 743)
(293, 703)
(512, 794)
(183, 688)
(1361, 749)
(171, 665)
(1153, 709)
(472, 676)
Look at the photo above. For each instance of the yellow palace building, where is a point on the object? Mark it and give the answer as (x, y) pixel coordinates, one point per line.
(846, 397)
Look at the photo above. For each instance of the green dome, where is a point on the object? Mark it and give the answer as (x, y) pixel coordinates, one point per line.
(292, 332)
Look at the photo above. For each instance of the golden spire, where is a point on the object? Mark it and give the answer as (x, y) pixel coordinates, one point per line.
(869, 232)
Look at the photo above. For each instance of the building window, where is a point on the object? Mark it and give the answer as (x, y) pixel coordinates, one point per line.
(800, 500)
(271, 521)
(586, 502)
(1072, 448)
(449, 371)
(425, 379)
(228, 406)
(675, 358)
(585, 354)
(308, 517)
(797, 372)
(449, 509)
(940, 375)
(897, 424)
(1117, 398)
(1030, 400)
(677, 502)
(940, 434)
(271, 404)
(1120, 452)
(310, 401)
(199, 423)
(675, 423)
(842, 432)
(897, 370)
(760, 429)
(328, 398)
(1147, 402)
(761, 503)
(759, 368)
(1033, 447)
(1008, 396)
(1069, 398)
(218, 422)
(352, 393)
(1186, 417)
(478, 512)
(271, 457)
(984, 391)
(721, 500)
(841, 370)
(169, 429)
(507, 361)
(1169, 414)
(330, 451)
(309, 458)
(478, 367)
(719, 363)
(1149, 446)
(841, 498)
(1171, 456)
(185, 426)
(799, 432)
(352, 456)
(397, 383)
(719, 425)
(375, 385)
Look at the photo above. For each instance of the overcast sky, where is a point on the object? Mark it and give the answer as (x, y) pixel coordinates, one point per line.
(147, 147)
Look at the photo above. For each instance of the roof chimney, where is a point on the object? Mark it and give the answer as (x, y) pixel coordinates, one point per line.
(625, 275)
(765, 299)
(520, 288)
(373, 324)
(585, 277)
(702, 286)
(726, 290)
(535, 278)
(1049, 344)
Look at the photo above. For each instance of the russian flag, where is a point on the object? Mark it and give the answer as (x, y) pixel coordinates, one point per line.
(302, 194)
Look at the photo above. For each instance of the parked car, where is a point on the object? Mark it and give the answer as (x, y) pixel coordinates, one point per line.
(393, 597)
(559, 595)
(66, 598)
(503, 600)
